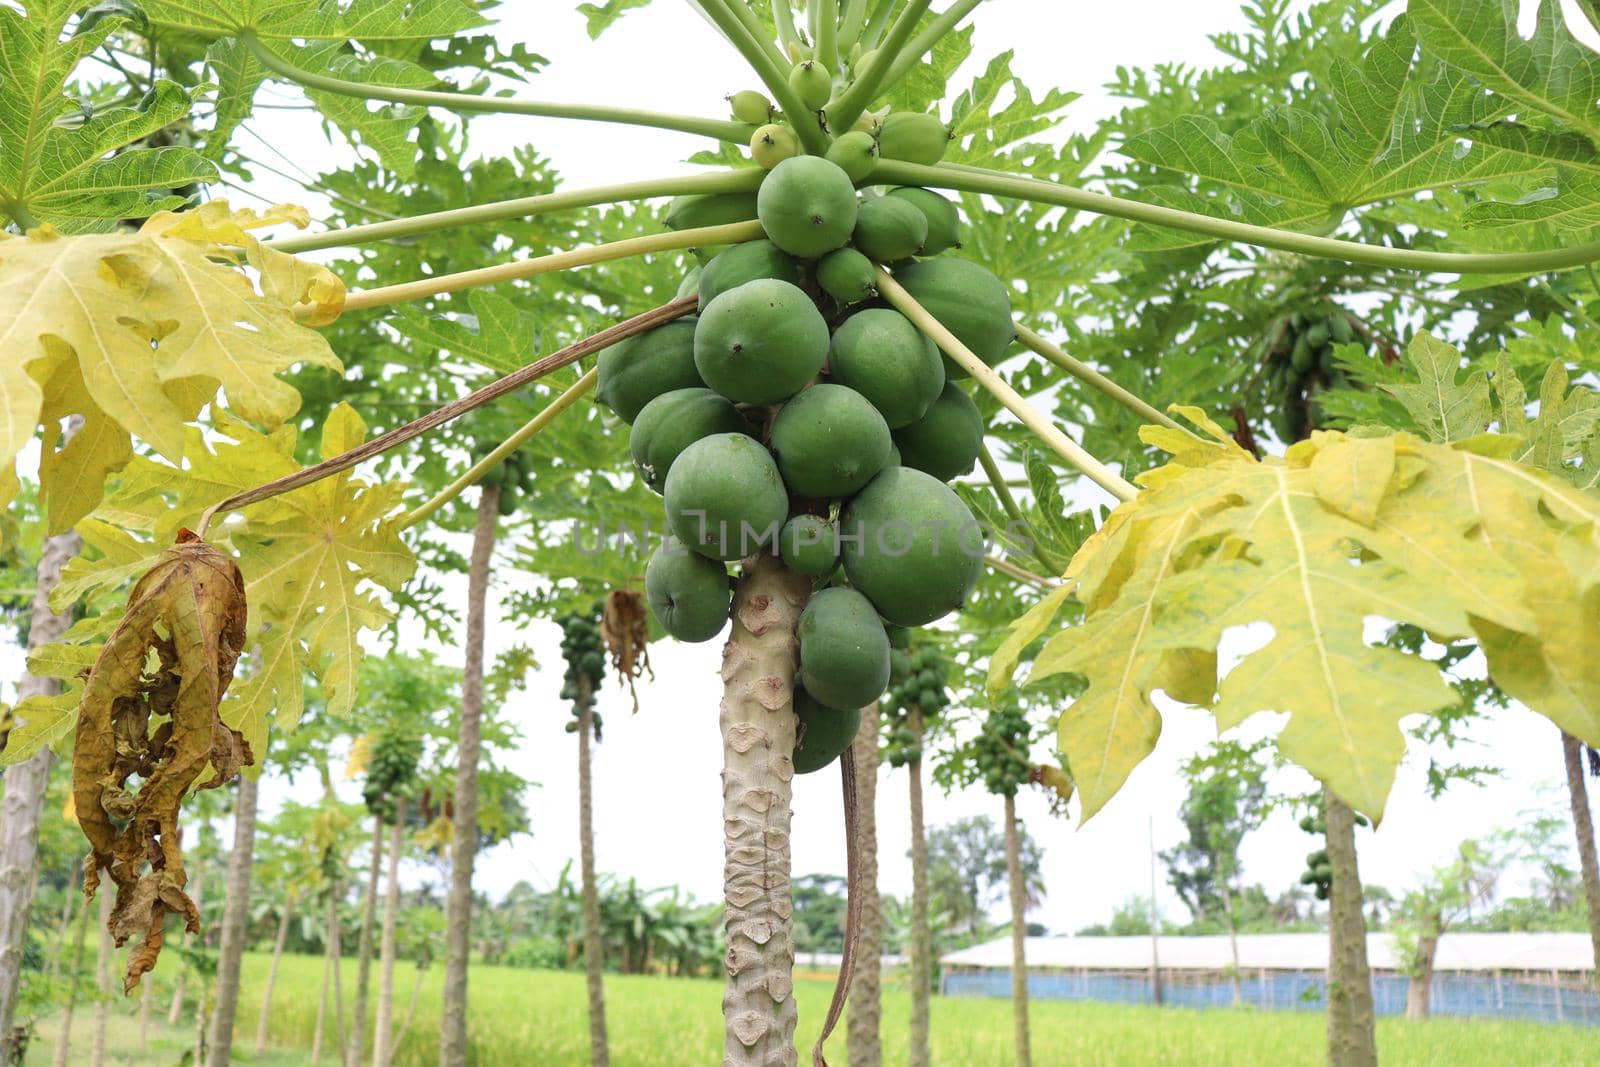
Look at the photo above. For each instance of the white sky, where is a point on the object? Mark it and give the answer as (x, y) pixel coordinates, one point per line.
(658, 807)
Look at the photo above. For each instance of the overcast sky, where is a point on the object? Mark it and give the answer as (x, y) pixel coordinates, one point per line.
(658, 802)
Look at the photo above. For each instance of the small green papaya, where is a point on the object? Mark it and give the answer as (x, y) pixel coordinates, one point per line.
(809, 545)
(636, 370)
(946, 441)
(508, 503)
(829, 442)
(671, 423)
(881, 355)
(709, 209)
(844, 653)
(822, 733)
(690, 283)
(688, 593)
(1341, 329)
(944, 221)
(855, 153)
(847, 276)
(899, 665)
(899, 637)
(761, 342)
(889, 230)
(911, 546)
(914, 138)
(1303, 355)
(772, 144)
(750, 106)
(807, 206)
(970, 301)
(745, 263)
(724, 497)
(1317, 334)
(812, 83)
(863, 61)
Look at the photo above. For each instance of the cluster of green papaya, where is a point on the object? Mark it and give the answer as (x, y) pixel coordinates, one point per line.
(584, 651)
(919, 679)
(514, 477)
(1001, 750)
(1319, 869)
(1297, 353)
(797, 412)
(392, 760)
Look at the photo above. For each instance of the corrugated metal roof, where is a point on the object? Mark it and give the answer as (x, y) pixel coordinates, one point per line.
(1285, 952)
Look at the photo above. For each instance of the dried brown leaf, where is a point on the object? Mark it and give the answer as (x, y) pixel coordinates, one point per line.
(625, 628)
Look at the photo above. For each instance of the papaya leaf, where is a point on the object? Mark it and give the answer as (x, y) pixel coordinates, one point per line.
(601, 17)
(367, 20)
(1567, 199)
(498, 334)
(1447, 406)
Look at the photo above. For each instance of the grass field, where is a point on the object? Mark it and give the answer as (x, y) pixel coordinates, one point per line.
(521, 1018)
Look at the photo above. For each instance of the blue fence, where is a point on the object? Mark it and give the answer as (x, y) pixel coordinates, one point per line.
(1464, 995)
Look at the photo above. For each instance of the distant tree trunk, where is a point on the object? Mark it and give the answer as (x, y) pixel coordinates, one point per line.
(1019, 935)
(355, 1039)
(175, 1010)
(69, 911)
(593, 953)
(464, 844)
(864, 1046)
(1233, 942)
(921, 936)
(25, 784)
(145, 1000)
(382, 1048)
(1419, 991)
(411, 1012)
(330, 980)
(285, 917)
(235, 914)
(64, 1034)
(1583, 826)
(1351, 1040)
(102, 982)
(758, 733)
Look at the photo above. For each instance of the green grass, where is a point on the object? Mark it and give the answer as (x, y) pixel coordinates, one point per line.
(523, 1017)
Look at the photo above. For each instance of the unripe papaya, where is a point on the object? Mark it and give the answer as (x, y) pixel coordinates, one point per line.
(822, 734)
(899, 665)
(864, 61)
(855, 153)
(709, 209)
(807, 206)
(847, 276)
(899, 637)
(636, 370)
(911, 546)
(944, 221)
(829, 441)
(844, 653)
(690, 283)
(945, 442)
(913, 138)
(971, 302)
(1340, 327)
(889, 230)
(745, 263)
(882, 356)
(687, 593)
(812, 83)
(809, 545)
(724, 497)
(772, 144)
(750, 106)
(671, 423)
(761, 342)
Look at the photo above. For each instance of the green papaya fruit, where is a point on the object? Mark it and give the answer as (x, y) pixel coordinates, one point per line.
(671, 423)
(508, 503)
(745, 263)
(881, 355)
(899, 664)
(750, 106)
(812, 83)
(636, 370)
(899, 637)
(844, 653)
(1317, 334)
(761, 342)
(807, 206)
(829, 442)
(855, 153)
(1303, 355)
(724, 497)
(946, 441)
(772, 144)
(709, 209)
(822, 733)
(690, 283)
(688, 593)
(889, 230)
(1343, 333)
(847, 276)
(809, 545)
(864, 60)
(894, 458)
(914, 138)
(911, 546)
(944, 221)
(971, 303)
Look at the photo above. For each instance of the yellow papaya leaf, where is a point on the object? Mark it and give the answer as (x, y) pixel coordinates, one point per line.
(1023, 632)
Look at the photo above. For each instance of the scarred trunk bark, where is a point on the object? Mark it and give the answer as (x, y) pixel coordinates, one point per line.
(235, 910)
(1419, 991)
(1583, 826)
(102, 982)
(282, 937)
(382, 1045)
(864, 1046)
(355, 1040)
(1351, 1041)
(1019, 935)
(464, 843)
(921, 936)
(758, 734)
(25, 784)
(593, 954)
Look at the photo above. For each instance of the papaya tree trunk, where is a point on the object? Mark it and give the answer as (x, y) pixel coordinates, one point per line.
(285, 917)
(235, 912)
(411, 1013)
(355, 1040)
(863, 1045)
(464, 823)
(758, 734)
(382, 1048)
(1583, 826)
(593, 952)
(102, 984)
(25, 784)
(1019, 936)
(921, 936)
(1233, 943)
(175, 1009)
(1419, 991)
(330, 980)
(145, 1000)
(1351, 1040)
(64, 1033)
